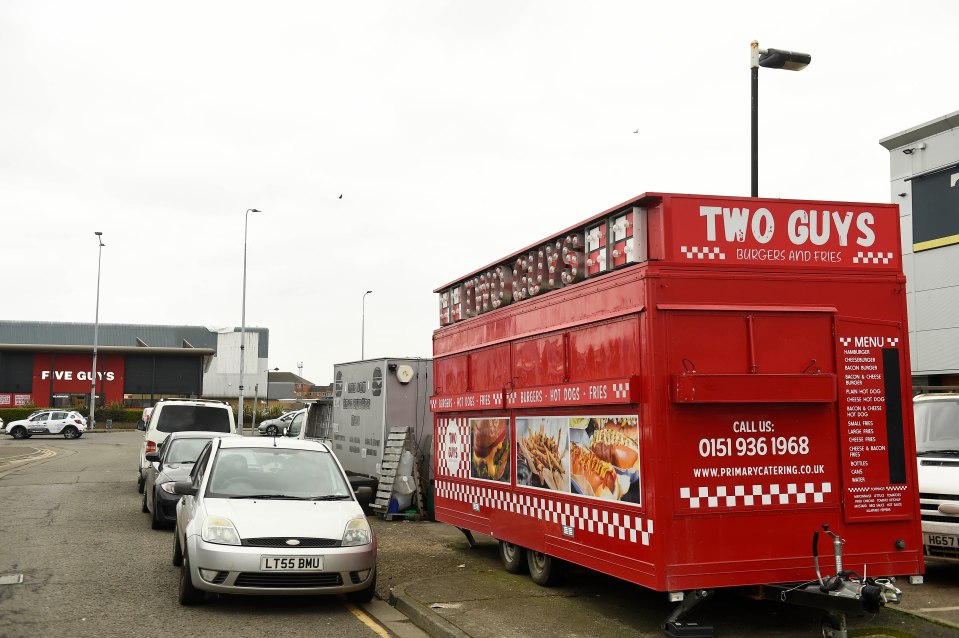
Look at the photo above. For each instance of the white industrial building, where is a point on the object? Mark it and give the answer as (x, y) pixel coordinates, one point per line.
(924, 175)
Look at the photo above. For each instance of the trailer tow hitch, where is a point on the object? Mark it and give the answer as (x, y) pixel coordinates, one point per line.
(873, 592)
(844, 591)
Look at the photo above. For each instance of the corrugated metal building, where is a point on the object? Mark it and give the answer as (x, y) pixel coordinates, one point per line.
(924, 172)
(51, 364)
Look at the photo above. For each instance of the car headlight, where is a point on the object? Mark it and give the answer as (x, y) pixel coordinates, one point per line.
(357, 532)
(219, 530)
(168, 487)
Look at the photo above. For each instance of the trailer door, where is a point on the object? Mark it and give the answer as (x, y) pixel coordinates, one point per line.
(753, 422)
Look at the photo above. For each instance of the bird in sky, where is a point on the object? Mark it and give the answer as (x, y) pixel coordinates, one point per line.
(636, 131)
(341, 196)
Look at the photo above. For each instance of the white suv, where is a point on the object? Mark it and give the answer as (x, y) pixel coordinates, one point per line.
(937, 445)
(182, 415)
(65, 422)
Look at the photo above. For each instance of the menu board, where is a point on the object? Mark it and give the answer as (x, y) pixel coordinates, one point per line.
(871, 422)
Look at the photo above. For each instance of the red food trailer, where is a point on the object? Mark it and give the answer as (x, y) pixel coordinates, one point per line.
(689, 392)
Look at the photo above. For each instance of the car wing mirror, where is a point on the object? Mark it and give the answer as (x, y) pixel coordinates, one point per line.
(153, 457)
(184, 488)
(141, 425)
(364, 493)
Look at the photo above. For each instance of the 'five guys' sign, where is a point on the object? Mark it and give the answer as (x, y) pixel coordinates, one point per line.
(694, 230)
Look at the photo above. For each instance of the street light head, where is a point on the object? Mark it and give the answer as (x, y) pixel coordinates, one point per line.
(368, 292)
(788, 60)
(254, 210)
(97, 233)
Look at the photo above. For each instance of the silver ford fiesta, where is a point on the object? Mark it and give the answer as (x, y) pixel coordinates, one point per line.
(271, 516)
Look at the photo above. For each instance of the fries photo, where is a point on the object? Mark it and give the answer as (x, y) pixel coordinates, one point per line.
(544, 454)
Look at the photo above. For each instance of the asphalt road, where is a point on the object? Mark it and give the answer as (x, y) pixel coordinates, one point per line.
(71, 525)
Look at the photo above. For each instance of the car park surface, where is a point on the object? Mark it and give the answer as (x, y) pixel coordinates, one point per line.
(268, 517)
(67, 423)
(70, 525)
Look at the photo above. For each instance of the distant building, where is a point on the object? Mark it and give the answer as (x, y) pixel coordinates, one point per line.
(48, 364)
(286, 386)
(320, 392)
(924, 173)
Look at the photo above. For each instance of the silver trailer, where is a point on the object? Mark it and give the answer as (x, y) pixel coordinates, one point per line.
(371, 397)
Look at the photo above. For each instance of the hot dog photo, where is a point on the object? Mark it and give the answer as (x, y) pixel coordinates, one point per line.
(604, 457)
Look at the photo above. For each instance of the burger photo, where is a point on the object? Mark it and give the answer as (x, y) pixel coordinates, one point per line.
(490, 448)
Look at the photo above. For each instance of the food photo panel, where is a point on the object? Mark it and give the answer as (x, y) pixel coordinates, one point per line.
(489, 439)
(542, 453)
(604, 457)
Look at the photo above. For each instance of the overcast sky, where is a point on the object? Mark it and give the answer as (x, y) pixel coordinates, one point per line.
(457, 133)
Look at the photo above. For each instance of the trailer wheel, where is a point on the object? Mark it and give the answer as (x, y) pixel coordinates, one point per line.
(833, 625)
(513, 557)
(543, 568)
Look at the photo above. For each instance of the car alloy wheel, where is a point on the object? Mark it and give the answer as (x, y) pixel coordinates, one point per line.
(19, 433)
(177, 552)
(71, 432)
(188, 594)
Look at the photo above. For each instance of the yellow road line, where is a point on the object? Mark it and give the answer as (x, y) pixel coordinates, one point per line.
(366, 620)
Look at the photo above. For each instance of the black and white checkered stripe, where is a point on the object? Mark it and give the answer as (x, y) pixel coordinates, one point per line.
(621, 390)
(705, 497)
(586, 518)
(702, 252)
(872, 258)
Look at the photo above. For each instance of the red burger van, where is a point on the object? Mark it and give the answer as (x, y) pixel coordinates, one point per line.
(689, 392)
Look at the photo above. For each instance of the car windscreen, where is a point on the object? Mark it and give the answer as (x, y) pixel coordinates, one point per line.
(187, 418)
(277, 473)
(185, 450)
(937, 425)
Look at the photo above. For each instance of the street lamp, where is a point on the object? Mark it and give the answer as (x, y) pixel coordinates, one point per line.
(363, 328)
(96, 334)
(246, 219)
(770, 59)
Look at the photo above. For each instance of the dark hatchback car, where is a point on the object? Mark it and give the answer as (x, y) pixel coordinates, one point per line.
(174, 462)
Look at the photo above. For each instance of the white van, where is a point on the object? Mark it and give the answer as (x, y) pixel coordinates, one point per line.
(182, 415)
(937, 446)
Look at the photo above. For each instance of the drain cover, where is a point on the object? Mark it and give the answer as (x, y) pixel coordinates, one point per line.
(11, 579)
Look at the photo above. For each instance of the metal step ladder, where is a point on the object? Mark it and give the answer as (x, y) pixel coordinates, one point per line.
(398, 441)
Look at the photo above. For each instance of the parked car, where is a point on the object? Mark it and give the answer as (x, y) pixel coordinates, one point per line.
(144, 419)
(271, 516)
(68, 423)
(937, 446)
(277, 426)
(182, 415)
(171, 463)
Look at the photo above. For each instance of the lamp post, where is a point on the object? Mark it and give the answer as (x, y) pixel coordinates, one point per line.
(246, 220)
(363, 328)
(96, 334)
(770, 59)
